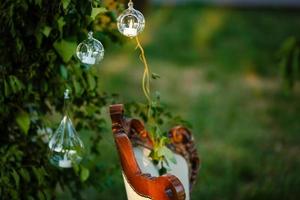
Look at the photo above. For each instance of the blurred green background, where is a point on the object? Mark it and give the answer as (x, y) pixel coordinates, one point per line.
(219, 70)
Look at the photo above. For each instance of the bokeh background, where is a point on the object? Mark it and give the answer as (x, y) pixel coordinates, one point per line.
(230, 68)
(220, 70)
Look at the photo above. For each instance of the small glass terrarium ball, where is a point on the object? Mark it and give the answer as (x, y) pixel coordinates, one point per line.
(90, 51)
(131, 22)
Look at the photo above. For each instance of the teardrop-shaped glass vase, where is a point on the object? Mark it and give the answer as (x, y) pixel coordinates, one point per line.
(65, 146)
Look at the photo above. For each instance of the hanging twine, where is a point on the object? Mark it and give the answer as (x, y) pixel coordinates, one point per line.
(146, 74)
(159, 141)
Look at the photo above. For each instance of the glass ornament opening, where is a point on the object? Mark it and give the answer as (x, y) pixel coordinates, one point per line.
(65, 146)
(131, 22)
(90, 51)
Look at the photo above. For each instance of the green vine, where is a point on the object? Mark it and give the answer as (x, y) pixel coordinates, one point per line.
(160, 154)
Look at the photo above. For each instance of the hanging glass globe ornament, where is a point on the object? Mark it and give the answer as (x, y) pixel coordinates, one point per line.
(131, 22)
(65, 146)
(90, 51)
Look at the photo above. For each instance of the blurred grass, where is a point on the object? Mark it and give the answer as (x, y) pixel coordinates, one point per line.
(219, 71)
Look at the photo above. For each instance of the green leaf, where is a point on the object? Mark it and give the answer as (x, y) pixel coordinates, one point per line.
(46, 30)
(16, 178)
(63, 72)
(84, 174)
(76, 168)
(12, 83)
(91, 81)
(38, 2)
(66, 3)
(41, 195)
(77, 87)
(158, 134)
(25, 175)
(19, 45)
(23, 121)
(65, 49)
(169, 155)
(155, 76)
(39, 174)
(97, 11)
(61, 23)
(15, 84)
(19, 84)
(160, 151)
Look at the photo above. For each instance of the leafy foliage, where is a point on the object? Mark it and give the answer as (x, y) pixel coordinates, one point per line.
(37, 64)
